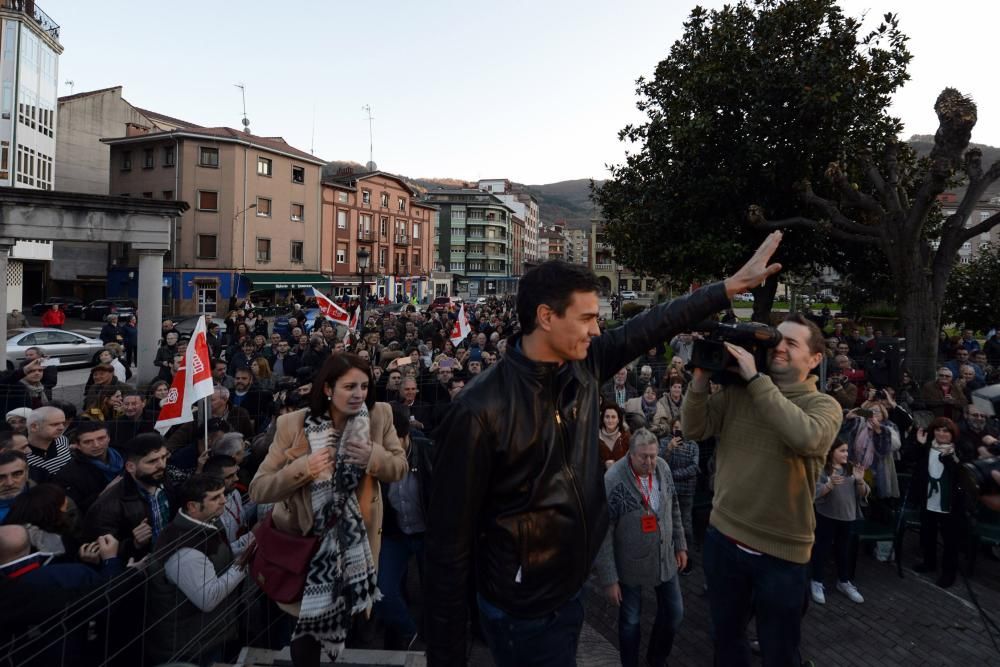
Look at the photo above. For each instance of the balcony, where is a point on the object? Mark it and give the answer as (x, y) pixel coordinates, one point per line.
(41, 18)
(402, 239)
(366, 235)
(603, 267)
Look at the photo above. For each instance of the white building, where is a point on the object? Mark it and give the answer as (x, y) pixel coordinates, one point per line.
(525, 207)
(29, 76)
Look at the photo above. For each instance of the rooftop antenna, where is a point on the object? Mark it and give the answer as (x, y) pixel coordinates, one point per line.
(371, 133)
(246, 121)
(69, 82)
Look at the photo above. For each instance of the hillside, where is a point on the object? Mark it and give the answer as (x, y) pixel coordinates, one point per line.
(923, 143)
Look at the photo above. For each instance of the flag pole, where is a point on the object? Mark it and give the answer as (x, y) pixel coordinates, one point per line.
(206, 412)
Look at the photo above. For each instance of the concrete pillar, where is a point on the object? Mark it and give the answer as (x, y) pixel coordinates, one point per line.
(150, 313)
(4, 255)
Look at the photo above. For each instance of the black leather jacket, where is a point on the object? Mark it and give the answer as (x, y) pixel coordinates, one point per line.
(518, 485)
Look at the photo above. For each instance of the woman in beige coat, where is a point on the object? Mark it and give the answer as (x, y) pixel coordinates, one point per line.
(323, 469)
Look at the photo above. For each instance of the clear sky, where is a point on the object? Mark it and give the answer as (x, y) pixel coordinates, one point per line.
(534, 91)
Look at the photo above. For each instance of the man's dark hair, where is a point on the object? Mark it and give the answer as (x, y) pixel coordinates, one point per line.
(40, 506)
(133, 392)
(455, 379)
(215, 463)
(244, 368)
(68, 409)
(196, 487)
(11, 455)
(551, 283)
(817, 342)
(216, 362)
(85, 427)
(142, 445)
(334, 367)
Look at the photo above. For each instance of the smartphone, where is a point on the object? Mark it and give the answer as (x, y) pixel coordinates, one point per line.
(447, 363)
(864, 412)
(403, 361)
(49, 361)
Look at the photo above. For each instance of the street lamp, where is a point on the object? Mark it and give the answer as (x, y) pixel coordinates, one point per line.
(235, 218)
(363, 258)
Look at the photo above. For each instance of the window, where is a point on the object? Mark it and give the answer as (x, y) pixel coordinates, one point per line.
(341, 219)
(385, 200)
(4, 159)
(208, 200)
(416, 260)
(365, 222)
(264, 166)
(296, 253)
(458, 215)
(298, 212)
(416, 231)
(263, 250)
(341, 254)
(342, 197)
(168, 156)
(126, 160)
(208, 157)
(147, 158)
(383, 257)
(402, 204)
(298, 174)
(147, 195)
(263, 207)
(168, 194)
(366, 197)
(383, 225)
(207, 246)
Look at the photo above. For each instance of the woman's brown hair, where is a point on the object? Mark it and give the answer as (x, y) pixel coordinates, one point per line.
(828, 466)
(333, 368)
(943, 422)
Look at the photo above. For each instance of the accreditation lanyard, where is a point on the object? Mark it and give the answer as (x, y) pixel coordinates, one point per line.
(649, 518)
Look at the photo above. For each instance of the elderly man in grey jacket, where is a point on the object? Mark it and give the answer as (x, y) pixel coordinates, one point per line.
(645, 546)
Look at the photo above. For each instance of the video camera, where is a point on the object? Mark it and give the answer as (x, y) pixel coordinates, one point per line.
(710, 354)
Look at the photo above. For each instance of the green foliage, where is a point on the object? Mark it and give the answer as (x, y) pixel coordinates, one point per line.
(753, 99)
(630, 309)
(973, 292)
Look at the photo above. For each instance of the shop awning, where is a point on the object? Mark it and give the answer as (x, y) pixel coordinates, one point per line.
(266, 281)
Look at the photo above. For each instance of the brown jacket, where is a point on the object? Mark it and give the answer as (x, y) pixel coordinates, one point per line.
(283, 478)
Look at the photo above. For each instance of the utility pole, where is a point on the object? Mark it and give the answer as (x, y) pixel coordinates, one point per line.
(246, 121)
(371, 135)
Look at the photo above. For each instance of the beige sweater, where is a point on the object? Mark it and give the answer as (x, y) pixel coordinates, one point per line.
(771, 447)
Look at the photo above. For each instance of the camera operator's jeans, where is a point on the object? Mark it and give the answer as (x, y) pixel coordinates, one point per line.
(741, 585)
(549, 641)
(669, 614)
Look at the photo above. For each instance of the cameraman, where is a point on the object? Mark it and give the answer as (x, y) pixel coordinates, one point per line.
(773, 435)
(842, 389)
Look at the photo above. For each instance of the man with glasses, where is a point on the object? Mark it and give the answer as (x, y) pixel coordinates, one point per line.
(980, 433)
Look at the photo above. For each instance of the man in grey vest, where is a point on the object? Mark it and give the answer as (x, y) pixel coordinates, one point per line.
(192, 578)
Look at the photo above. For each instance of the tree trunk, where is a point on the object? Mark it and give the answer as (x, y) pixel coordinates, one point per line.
(763, 300)
(920, 314)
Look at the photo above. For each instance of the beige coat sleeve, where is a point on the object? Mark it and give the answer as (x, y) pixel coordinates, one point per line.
(388, 461)
(278, 478)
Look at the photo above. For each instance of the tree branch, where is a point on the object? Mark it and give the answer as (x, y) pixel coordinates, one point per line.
(836, 216)
(983, 227)
(800, 222)
(852, 195)
(892, 167)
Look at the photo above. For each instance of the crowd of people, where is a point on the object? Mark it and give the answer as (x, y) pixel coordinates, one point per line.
(326, 447)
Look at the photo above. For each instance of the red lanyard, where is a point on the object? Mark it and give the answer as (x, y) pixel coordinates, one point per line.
(642, 492)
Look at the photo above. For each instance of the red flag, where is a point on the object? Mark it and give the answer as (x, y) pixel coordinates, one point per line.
(176, 407)
(462, 328)
(329, 309)
(199, 360)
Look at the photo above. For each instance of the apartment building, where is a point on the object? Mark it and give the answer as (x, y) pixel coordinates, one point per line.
(983, 210)
(254, 224)
(614, 277)
(578, 245)
(474, 239)
(554, 241)
(29, 76)
(380, 214)
(525, 207)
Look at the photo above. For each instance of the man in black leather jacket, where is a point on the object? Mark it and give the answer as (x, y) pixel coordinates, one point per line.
(518, 487)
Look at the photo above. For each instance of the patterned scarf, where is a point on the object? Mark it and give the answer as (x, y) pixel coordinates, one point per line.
(341, 579)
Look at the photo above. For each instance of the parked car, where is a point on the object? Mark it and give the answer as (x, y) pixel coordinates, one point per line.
(100, 309)
(185, 324)
(65, 302)
(70, 348)
(745, 297)
(629, 295)
(481, 301)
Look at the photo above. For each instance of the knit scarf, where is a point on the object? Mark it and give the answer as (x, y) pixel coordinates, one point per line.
(609, 439)
(341, 578)
(648, 410)
(36, 393)
(112, 468)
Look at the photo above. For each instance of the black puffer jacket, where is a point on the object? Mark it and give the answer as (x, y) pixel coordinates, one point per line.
(518, 485)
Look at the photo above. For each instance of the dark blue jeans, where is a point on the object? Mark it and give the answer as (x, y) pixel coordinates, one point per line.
(831, 532)
(669, 613)
(393, 560)
(549, 641)
(742, 584)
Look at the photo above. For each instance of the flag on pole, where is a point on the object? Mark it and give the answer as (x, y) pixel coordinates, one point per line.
(198, 362)
(192, 381)
(329, 309)
(351, 327)
(462, 328)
